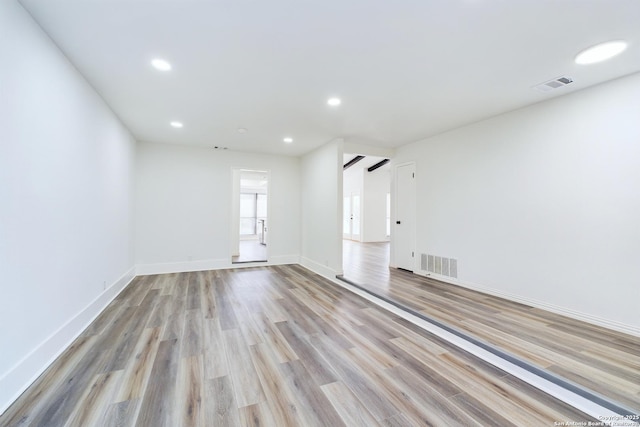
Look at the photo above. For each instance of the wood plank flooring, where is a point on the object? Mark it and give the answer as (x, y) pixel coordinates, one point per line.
(268, 346)
(603, 360)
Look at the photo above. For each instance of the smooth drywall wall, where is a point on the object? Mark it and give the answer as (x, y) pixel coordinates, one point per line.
(321, 177)
(352, 186)
(375, 185)
(184, 206)
(372, 187)
(542, 203)
(66, 189)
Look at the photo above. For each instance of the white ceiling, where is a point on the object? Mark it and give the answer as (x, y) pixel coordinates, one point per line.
(405, 70)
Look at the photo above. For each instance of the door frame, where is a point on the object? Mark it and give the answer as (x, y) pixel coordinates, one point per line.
(236, 172)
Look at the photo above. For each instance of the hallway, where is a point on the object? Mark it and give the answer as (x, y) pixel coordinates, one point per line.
(366, 263)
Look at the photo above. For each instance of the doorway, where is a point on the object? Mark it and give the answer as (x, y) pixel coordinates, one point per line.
(250, 239)
(351, 217)
(366, 186)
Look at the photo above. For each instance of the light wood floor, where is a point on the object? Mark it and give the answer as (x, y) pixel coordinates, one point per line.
(268, 346)
(602, 360)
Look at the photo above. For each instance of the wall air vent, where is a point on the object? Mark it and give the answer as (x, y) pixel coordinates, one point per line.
(553, 84)
(439, 265)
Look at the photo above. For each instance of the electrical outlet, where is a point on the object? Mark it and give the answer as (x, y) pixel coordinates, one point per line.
(104, 285)
(189, 257)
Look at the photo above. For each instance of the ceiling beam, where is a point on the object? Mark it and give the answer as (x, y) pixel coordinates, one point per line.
(352, 162)
(378, 165)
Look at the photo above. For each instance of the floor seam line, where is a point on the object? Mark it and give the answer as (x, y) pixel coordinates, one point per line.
(527, 366)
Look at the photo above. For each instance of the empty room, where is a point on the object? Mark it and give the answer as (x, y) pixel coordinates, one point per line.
(336, 213)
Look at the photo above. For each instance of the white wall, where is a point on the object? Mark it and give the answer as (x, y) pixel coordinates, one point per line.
(375, 186)
(184, 211)
(352, 181)
(321, 177)
(235, 212)
(368, 150)
(542, 203)
(352, 185)
(66, 187)
(372, 188)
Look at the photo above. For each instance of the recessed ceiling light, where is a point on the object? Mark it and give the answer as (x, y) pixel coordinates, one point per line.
(334, 101)
(601, 52)
(176, 124)
(288, 140)
(242, 130)
(161, 64)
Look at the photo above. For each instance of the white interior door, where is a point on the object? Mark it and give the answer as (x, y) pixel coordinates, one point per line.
(404, 227)
(351, 217)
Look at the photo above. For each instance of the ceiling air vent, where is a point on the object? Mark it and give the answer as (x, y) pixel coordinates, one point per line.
(553, 84)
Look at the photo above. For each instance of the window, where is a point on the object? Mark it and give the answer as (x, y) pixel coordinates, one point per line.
(253, 208)
(248, 210)
(261, 206)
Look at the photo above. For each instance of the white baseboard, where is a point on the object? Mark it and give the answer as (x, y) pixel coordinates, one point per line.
(588, 318)
(284, 259)
(318, 268)
(17, 379)
(182, 267)
(210, 264)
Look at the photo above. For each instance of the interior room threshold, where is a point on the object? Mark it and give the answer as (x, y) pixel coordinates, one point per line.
(577, 395)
